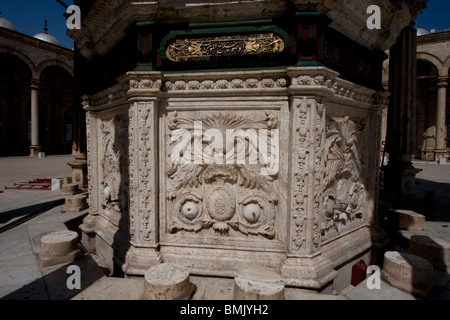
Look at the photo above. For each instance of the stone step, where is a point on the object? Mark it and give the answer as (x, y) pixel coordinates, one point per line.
(432, 248)
(408, 272)
(409, 220)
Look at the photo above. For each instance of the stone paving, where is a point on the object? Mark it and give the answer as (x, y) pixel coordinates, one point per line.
(23, 278)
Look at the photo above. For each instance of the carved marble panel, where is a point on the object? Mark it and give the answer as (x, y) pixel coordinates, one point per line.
(344, 187)
(222, 177)
(114, 176)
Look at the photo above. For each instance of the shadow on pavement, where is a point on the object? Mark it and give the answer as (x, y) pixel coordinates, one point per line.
(53, 286)
(26, 213)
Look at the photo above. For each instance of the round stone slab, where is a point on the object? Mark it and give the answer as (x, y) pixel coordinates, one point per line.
(408, 272)
(258, 284)
(167, 281)
(434, 249)
(59, 243)
(59, 247)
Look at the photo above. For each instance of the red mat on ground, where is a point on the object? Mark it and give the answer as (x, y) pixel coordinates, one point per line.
(37, 184)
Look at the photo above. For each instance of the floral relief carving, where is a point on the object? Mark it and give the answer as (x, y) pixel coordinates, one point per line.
(309, 141)
(146, 209)
(344, 191)
(222, 196)
(141, 202)
(226, 84)
(143, 84)
(301, 178)
(115, 164)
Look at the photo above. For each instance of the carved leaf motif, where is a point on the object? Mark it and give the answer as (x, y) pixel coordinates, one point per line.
(344, 151)
(343, 176)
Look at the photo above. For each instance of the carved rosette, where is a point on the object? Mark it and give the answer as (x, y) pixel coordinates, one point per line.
(344, 189)
(221, 196)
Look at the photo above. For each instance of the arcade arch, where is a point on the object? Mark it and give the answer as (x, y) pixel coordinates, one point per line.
(37, 96)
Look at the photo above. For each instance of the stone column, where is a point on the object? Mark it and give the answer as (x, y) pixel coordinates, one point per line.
(441, 130)
(35, 147)
(400, 143)
(79, 165)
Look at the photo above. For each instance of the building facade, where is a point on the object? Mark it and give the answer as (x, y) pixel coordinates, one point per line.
(432, 115)
(433, 112)
(36, 94)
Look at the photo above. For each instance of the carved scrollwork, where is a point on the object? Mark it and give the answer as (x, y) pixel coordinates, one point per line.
(256, 216)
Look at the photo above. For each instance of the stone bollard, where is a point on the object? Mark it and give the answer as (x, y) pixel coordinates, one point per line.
(408, 272)
(59, 247)
(258, 284)
(167, 281)
(434, 249)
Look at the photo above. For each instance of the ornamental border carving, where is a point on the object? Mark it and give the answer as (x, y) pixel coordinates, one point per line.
(287, 81)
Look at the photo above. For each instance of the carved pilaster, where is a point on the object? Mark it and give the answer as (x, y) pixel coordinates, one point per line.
(143, 172)
(305, 228)
(305, 264)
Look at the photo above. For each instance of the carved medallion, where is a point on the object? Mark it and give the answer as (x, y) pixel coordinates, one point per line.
(221, 203)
